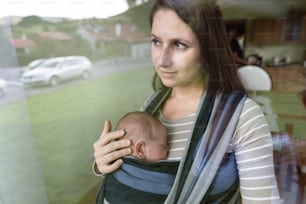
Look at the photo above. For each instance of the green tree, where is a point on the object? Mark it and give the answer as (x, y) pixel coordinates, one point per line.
(131, 3)
(30, 21)
(47, 48)
(135, 14)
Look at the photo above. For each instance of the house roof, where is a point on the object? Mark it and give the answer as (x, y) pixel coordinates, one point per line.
(22, 43)
(110, 32)
(54, 35)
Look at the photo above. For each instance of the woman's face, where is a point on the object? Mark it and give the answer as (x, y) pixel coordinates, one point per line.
(175, 50)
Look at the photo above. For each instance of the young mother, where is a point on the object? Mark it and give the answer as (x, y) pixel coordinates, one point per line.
(219, 134)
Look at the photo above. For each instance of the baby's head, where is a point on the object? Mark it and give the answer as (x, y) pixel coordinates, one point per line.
(148, 136)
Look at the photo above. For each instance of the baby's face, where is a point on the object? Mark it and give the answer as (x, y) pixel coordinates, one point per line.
(156, 151)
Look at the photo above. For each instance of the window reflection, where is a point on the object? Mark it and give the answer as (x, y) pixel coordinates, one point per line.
(47, 132)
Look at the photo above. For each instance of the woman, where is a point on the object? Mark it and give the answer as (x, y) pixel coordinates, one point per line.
(219, 135)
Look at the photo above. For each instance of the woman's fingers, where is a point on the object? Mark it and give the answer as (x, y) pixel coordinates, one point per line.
(111, 161)
(110, 137)
(102, 150)
(114, 166)
(107, 127)
(107, 136)
(108, 149)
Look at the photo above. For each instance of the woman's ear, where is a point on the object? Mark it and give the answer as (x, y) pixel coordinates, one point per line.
(140, 150)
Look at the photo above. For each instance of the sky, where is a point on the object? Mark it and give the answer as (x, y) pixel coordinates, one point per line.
(75, 9)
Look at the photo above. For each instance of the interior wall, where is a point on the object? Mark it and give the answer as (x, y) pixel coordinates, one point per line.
(249, 10)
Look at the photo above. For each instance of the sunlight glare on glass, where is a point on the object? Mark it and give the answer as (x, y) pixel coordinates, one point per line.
(75, 9)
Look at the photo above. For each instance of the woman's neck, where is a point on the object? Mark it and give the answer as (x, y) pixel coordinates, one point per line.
(191, 90)
(187, 92)
(182, 101)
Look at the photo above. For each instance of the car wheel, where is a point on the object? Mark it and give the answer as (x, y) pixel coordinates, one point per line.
(85, 74)
(54, 81)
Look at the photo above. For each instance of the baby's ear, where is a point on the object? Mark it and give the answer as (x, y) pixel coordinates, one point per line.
(140, 150)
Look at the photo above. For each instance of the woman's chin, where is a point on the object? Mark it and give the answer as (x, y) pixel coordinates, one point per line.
(168, 83)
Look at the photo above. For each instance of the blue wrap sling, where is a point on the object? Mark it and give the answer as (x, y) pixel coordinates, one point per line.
(206, 173)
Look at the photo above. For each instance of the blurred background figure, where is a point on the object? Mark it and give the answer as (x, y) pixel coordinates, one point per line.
(237, 45)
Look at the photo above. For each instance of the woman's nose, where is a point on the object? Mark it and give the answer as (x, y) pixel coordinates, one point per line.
(165, 58)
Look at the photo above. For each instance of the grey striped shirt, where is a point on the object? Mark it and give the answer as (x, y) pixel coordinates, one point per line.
(253, 147)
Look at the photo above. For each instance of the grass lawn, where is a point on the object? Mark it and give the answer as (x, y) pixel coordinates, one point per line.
(65, 124)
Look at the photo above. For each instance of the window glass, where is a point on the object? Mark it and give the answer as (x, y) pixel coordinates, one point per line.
(49, 122)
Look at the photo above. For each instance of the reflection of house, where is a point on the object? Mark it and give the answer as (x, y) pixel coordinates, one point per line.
(23, 45)
(54, 35)
(116, 39)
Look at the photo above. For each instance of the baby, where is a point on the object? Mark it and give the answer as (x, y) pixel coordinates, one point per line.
(142, 178)
(148, 136)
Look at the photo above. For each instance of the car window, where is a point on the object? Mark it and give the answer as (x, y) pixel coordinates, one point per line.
(50, 64)
(68, 63)
(79, 61)
(35, 63)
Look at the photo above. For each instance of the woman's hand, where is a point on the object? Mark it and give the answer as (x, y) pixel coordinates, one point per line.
(108, 149)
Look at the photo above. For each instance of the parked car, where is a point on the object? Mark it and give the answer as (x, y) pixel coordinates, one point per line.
(4, 84)
(55, 70)
(33, 64)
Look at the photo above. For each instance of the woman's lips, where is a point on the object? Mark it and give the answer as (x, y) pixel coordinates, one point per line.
(167, 74)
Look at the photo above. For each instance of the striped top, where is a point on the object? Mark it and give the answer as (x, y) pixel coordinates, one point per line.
(252, 144)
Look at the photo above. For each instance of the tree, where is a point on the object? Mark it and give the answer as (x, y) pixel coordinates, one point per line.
(30, 21)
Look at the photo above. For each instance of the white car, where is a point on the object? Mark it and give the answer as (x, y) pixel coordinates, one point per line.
(4, 84)
(33, 64)
(55, 70)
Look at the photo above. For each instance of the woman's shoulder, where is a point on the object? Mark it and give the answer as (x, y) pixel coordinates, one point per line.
(157, 95)
(251, 120)
(251, 113)
(250, 107)
(148, 100)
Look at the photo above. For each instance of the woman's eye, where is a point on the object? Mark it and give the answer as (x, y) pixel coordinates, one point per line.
(155, 42)
(180, 45)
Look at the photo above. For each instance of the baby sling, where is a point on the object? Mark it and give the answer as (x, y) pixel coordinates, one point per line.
(214, 126)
